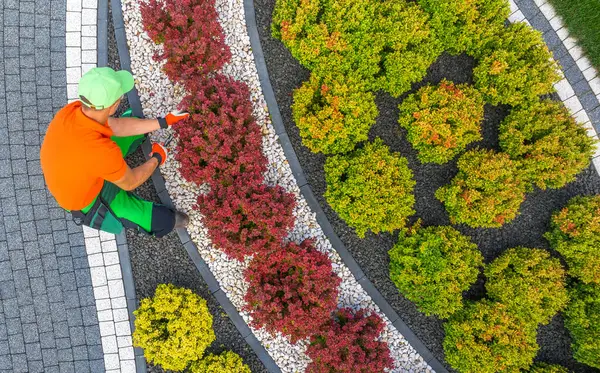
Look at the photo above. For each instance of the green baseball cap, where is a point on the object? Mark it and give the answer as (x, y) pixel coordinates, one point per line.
(101, 87)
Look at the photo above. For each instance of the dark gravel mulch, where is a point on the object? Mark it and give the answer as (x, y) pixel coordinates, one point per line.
(371, 253)
(157, 261)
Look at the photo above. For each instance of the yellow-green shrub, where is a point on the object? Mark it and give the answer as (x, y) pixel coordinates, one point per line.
(575, 234)
(486, 337)
(174, 327)
(582, 319)
(516, 68)
(432, 267)
(529, 282)
(333, 114)
(370, 188)
(226, 362)
(550, 145)
(547, 368)
(442, 120)
(486, 192)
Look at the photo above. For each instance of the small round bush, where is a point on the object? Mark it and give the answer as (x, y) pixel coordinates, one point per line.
(551, 146)
(220, 141)
(226, 362)
(487, 191)
(582, 319)
(292, 290)
(333, 114)
(371, 188)
(575, 234)
(442, 120)
(529, 282)
(174, 327)
(349, 344)
(485, 337)
(243, 219)
(432, 267)
(547, 368)
(517, 68)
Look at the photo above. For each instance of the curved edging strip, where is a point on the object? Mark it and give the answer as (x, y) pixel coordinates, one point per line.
(306, 191)
(163, 194)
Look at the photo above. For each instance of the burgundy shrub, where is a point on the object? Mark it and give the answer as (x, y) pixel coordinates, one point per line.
(220, 141)
(192, 38)
(348, 344)
(245, 219)
(293, 290)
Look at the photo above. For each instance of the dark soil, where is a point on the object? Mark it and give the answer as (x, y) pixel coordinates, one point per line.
(157, 261)
(371, 253)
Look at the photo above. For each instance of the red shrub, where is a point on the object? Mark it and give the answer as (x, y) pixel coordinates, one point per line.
(348, 345)
(247, 219)
(192, 38)
(292, 290)
(220, 141)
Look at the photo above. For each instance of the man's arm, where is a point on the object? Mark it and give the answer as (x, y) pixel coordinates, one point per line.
(127, 126)
(133, 178)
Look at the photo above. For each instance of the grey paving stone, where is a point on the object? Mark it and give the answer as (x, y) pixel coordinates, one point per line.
(35, 267)
(80, 263)
(9, 206)
(71, 299)
(52, 278)
(89, 315)
(59, 236)
(65, 264)
(41, 304)
(83, 277)
(64, 342)
(36, 182)
(38, 197)
(11, 224)
(11, 17)
(38, 286)
(3, 332)
(47, 340)
(44, 323)
(21, 182)
(14, 326)
(55, 295)
(24, 297)
(82, 366)
(97, 366)
(46, 243)
(21, 278)
(77, 335)
(76, 239)
(66, 367)
(4, 349)
(63, 250)
(52, 369)
(3, 251)
(86, 296)
(64, 355)
(92, 336)
(6, 362)
(19, 362)
(11, 308)
(49, 357)
(67, 281)
(78, 251)
(27, 313)
(34, 351)
(17, 260)
(74, 317)
(29, 230)
(23, 196)
(26, 19)
(26, 214)
(35, 366)
(27, 7)
(42, 20)
(16, 343)
(5, 271)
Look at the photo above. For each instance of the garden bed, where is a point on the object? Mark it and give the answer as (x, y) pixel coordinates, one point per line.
(371, 253)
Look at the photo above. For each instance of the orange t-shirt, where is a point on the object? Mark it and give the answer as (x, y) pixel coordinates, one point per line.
(77, 155)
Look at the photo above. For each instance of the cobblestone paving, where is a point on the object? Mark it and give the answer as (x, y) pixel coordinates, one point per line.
(48, 318)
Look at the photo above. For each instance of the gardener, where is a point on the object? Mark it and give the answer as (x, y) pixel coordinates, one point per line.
(82, 158)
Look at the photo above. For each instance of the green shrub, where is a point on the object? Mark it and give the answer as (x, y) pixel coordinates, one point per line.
(174, 327)
(529, 282)
(226, 362)
(466, 25)
(485, 337)
(517, 67)
(575, 234)
(442, 120)
(551, 146)
(432, 267)
(486, 192)
(547, 368)
(582, 319)
(333, 114)
(370, 188)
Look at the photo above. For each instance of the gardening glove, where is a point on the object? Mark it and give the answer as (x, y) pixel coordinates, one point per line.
(172, 118)
(159, 152)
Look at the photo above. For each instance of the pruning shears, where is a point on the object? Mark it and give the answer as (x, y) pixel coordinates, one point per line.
(168, 140)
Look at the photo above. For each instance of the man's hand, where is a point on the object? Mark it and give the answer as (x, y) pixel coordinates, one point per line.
(159, 152)
(172, 118)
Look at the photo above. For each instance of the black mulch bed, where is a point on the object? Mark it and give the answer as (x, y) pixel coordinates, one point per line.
(371, 253)
(157, 261)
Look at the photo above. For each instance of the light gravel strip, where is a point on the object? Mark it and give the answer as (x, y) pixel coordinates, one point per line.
(158, 96)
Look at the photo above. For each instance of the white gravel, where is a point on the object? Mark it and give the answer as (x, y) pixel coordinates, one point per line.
(159, 96)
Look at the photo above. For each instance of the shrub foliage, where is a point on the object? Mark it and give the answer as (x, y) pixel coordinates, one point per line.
(348, 344)
(575, 234)
(371, 188)
(529, 282)
(432, 267)
(441, 121)
(243, 219)
(292, 291)
(226, 362)
(485, 337)
(174, 327)
(547, 368)
(486, 192)
(582, 319)
(550, 145)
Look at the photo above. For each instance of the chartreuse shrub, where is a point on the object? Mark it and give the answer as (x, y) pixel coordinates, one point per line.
(226, 362)
(486, 337)
(486, 192)
(442, 120)
(582, 319)
(547, 368)
(292, 290)
(432, 267)
(575, 234)
(529, 282)
(174, 327)
(550, 145)
(370, 188)
(333, 114)
(516, 68)
(349, 343)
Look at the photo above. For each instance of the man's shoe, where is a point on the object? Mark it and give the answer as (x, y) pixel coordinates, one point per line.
(181, 219)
